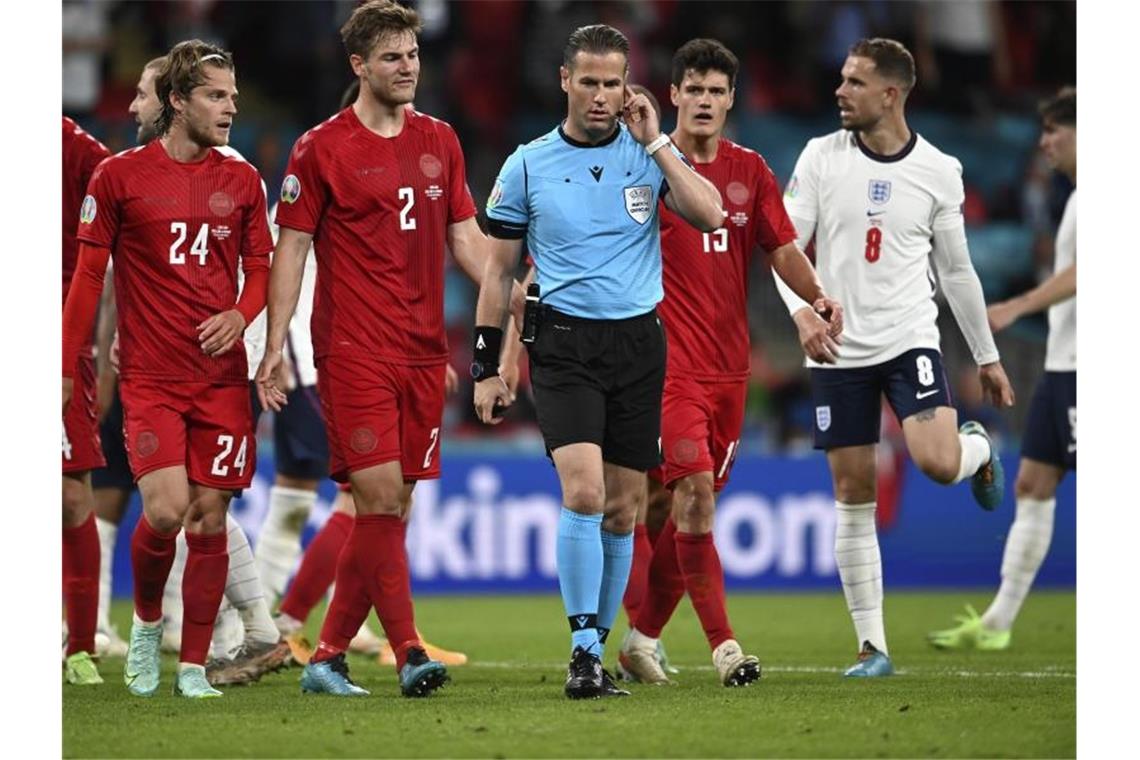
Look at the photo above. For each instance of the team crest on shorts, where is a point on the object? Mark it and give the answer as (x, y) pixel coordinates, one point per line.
(879, 190)
(146, 443)
(823, 418)
(87, 210)
(639, 202)
(290, 189)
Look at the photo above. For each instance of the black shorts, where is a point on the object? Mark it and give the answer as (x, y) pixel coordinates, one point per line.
(848, 401)
(300, 445)
(117, 473)
(600, 381)
(1051, 428)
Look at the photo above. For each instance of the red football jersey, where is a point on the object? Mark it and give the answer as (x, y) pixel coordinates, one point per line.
(378, 209)
(176, 232)
(81, 154)
(706, 273)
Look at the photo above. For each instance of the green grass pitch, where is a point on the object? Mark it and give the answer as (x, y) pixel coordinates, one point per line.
(508, 703)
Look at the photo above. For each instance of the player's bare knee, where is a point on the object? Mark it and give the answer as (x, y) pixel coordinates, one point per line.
(78, 501)
(942, 468)
(852, 489)
(1030, 487)
(695, 504)
(619, 521)
(585, 497)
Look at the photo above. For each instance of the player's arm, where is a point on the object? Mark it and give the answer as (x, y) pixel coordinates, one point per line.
(963, 291)
(691, 196)
(491, 321)
(284, 289)
(1060, 287)
(106, 364)
(80, 310)
(818, 337)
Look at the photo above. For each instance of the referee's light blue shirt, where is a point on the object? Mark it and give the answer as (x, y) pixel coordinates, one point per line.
(589, 215)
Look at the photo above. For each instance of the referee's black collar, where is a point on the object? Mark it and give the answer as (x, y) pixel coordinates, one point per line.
(580, 144)
(906, 149)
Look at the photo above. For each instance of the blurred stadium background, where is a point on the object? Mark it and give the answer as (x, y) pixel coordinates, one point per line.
(490, 69)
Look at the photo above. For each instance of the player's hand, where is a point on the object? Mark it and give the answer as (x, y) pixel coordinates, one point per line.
(1002, 315)
(219, 333)
(995, 385)
(832, 313)
(68, 384)
(509, 371)
(272, 380)
(638, 114)
(451, 381)
(113, 356)
(815, 336)
(490, 393)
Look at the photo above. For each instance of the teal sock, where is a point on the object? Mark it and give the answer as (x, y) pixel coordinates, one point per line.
(617, 553)
(580, 560)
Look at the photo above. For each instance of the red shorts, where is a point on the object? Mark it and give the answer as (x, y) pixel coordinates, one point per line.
(82, 449)
(701, 422)
(207, 428)
(378, 412)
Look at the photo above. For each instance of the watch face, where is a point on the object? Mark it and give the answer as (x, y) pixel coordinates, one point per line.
(477, 370)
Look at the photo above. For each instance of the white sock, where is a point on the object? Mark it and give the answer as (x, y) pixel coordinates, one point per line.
(243, 587)
(228, 632)
(172, 593)
(1025, 550)
(108, 532)
(638, 640)
(975, 454)
(861, 571)
(279, 543)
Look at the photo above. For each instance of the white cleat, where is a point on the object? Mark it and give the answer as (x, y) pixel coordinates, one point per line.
(733, 667)
(637, 660)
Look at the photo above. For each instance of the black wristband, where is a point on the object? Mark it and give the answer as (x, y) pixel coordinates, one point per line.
(488, 344)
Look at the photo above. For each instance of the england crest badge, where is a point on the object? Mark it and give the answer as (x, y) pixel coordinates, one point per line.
(879, 191)
(823, 418)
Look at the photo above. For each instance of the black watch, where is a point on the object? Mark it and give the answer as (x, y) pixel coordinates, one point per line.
(481, 371)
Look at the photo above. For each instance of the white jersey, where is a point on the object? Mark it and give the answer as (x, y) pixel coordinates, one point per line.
(874, 218)
(299, 343)
(1061, 352)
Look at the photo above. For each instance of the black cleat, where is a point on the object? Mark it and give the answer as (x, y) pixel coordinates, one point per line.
(584, 675)
(609, 688)
(420, 675)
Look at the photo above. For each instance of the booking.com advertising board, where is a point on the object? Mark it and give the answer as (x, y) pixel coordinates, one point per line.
(489, 525)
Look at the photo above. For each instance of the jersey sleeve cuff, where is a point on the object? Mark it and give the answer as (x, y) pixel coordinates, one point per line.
(307, 229)
(502, 230)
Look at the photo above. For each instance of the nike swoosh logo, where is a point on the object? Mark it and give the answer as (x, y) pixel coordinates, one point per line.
(924, 394)
(875, 213)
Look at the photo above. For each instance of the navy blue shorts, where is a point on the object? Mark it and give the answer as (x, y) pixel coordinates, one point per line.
(117, 473)
(1051, 428)
(848, 402)
(300, 445)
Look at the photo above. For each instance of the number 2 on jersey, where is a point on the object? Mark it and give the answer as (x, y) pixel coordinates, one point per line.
(198, 248)
(874, 244)
(407, 195)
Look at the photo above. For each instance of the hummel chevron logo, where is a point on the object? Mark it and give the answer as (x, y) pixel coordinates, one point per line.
(924, 394)
(596, 171)
(582, 619)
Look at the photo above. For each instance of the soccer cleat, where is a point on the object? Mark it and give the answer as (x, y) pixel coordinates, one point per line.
(366, 642)
(144, 661)
(988, 483)
(637, 661)
(300, 650)
(81, 670)
(108, 642)
(970, 633)
(733, 666)
(421, 675)
(251, 661)
(609, 688)
(192, 684)
(330, 677)
(584, 675)
(871, 663)
(439, 654)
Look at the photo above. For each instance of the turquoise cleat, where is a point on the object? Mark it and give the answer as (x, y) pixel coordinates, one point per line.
(420, 676)
(192, 684)
(988, 483)
(871, 664)
(144, 660)
(330, 677)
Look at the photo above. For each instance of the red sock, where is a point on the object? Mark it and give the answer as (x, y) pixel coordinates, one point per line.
(704, 580)
(203, 583)
(666, 585)
(654, 533)
(347, 611)
(381, 557)
(318, 567)
(638, 573)
(81, 584)
(152, 554)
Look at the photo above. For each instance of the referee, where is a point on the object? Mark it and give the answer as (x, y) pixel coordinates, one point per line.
(584, 196)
